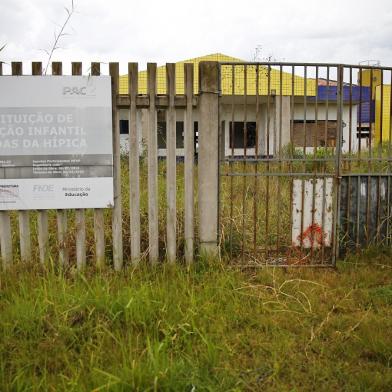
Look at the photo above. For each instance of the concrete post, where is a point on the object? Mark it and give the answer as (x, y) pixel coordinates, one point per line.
(208, 156)
(282, 121)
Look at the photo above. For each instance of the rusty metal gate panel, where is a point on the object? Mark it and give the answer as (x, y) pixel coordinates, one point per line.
(291, 136)
(366, 165)
(365, 212)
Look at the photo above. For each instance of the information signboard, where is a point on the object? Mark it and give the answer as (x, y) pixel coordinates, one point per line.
(55, 142)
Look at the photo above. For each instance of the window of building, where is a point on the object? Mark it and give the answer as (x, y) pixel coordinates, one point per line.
(179, 134)
(124, 127)
(162, 134)
(363, 132)
(320, 134)
(161, 126)
(239, 135)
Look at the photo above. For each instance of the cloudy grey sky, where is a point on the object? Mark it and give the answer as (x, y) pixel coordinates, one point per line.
(169, 30)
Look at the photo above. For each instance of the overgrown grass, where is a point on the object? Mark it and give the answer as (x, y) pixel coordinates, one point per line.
(211, 327)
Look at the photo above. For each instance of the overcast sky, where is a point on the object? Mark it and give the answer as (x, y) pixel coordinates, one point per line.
(161, 31)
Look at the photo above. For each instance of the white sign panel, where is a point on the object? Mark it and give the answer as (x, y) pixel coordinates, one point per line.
(55, 142)
(312, 229)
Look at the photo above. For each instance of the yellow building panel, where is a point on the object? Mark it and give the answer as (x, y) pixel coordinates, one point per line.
(273, 80)
(383, 113)
(226, 79)
(370, 78)
(161, 74)
(368, 75)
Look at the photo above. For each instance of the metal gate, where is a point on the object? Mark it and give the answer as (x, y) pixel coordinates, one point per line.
(305, 161)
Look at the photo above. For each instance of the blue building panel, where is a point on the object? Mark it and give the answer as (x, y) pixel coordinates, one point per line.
(366, 112)
(329, 93)
(359, 95)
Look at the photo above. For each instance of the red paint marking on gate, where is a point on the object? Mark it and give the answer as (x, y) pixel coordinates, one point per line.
(314, 234)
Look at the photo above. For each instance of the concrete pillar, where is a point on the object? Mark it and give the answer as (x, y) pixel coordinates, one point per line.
(282, 119)
(208, 156)
(144, 130)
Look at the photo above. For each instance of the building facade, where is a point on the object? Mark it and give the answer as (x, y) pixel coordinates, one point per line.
(293, 109)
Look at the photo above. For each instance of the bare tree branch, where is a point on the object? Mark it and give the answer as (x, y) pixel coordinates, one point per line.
(58, 36)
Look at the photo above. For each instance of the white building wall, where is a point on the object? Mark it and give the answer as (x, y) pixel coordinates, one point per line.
(332, 115)
(272, 134)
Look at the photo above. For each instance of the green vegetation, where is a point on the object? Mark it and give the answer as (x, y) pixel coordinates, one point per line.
(215, 326)
(211, 327)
